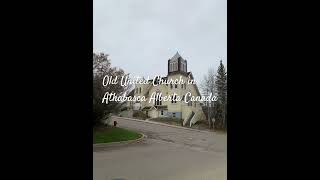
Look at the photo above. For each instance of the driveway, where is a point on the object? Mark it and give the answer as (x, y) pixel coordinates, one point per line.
(168, 153)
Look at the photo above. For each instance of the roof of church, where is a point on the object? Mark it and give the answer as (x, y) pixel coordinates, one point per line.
(148, 108)
(176, 56)
(163, 78)
(131, 93)
(162, 107)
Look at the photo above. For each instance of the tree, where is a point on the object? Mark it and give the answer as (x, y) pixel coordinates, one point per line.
(208, 86)
(101, 68)
(221, 108)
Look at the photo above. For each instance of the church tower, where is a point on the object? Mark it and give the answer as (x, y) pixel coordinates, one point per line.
(177, 65)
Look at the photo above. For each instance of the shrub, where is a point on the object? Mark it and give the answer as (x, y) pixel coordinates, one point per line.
(140, 115)
(124, 109)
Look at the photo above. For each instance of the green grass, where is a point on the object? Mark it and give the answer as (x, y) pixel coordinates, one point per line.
(113, 134)
(167, 120)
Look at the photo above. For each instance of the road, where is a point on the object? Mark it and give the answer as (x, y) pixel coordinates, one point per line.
(167, 153)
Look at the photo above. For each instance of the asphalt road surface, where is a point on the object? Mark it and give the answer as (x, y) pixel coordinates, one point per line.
(167, 153)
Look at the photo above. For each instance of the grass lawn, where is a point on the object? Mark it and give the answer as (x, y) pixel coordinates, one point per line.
(113, 134)
(171, 121)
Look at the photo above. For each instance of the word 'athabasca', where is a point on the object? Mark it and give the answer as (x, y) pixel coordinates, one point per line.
(156, 96)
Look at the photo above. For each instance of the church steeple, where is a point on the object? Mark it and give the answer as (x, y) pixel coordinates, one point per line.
(177, 64)
(176, 56)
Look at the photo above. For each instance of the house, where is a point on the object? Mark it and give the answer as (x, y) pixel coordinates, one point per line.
(190, 112)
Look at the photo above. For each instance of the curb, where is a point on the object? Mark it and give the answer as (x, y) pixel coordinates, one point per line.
(162, 124)
(120, 143)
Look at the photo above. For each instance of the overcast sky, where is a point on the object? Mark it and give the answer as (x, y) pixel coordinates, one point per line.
(141, 35)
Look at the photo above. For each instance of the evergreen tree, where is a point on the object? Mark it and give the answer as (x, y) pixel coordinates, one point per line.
(221, 85)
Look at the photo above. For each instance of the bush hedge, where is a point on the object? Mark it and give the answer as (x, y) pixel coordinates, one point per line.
(140, 115)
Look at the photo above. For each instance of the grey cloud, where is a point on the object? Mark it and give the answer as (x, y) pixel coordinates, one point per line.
(141, 35)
